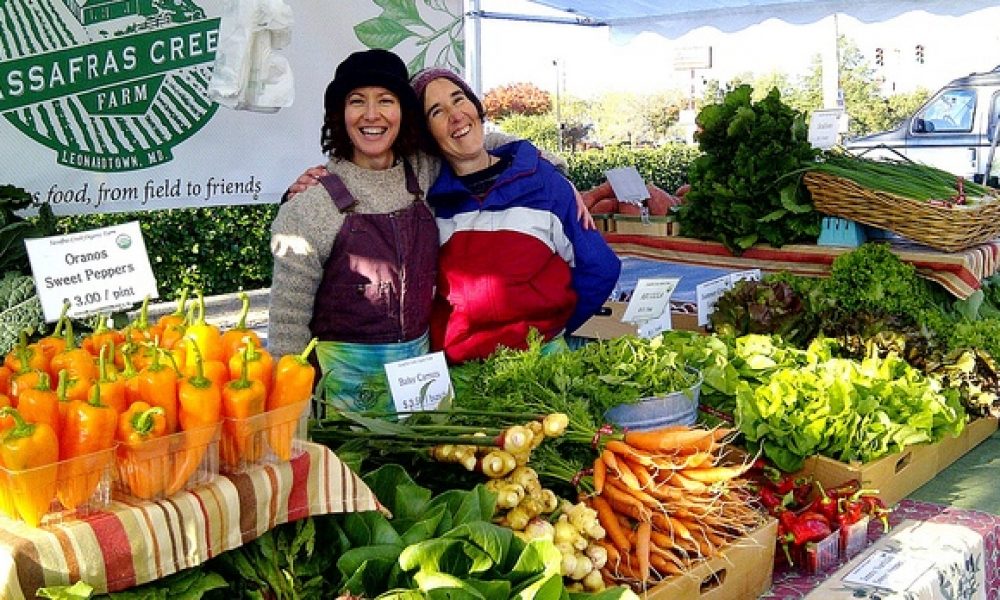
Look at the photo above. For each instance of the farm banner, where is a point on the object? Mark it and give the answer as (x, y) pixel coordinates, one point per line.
(106, 104)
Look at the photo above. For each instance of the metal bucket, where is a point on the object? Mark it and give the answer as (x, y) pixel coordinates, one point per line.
(675, 408)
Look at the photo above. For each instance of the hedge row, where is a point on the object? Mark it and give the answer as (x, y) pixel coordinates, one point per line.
(225, 249)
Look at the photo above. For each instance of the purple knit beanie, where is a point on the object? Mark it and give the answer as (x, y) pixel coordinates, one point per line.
(420, 81)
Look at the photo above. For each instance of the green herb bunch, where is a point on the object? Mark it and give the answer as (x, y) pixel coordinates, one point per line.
(741, 189)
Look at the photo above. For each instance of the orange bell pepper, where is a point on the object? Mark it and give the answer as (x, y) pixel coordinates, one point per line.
(294, 376)
(102, 336)
(199, 400)
(242, 399)
(112, 387)
(25, 380)
(6, 374)
(40, 404)
(140, 329)
(6, 499)
(207, 336)
(260, 366)
(178, 317)
(141, 422)
(64, 402)
(200, 406)
(143, 463)
(54, 343)
(234, 339)
(80, 366)
(29, 453)
(215, 371)
(130, 380)
(89, 427)
(158, 384)
(26, 356)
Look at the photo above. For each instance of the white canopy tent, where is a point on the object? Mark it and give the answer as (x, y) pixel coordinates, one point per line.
(674, 18)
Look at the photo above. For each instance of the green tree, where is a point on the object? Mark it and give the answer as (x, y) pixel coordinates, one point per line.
(662, 111)
(868, 110)
(617, 119)
(540, 130)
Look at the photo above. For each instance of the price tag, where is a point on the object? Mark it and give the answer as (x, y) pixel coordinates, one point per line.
(627, 184)
(895, 571)
(707, 294)
(650, 328)
(650, 299)
(99, 270)
(419, 383)
(749, 275)
(824, 128)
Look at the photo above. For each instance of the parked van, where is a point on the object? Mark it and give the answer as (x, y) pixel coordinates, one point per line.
(954, 130)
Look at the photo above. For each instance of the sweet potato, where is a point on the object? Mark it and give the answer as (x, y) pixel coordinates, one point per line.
(596, 194)
(682, 190)
(627, 208)
(605, 206)
(659, 201)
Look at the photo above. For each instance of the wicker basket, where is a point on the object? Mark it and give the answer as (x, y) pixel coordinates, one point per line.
(948, 228)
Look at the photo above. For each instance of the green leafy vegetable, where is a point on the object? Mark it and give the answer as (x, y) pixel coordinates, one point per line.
(844, 409)
(20, 309)
(745, 187)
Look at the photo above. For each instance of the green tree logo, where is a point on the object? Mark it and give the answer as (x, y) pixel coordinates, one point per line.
(110, 85)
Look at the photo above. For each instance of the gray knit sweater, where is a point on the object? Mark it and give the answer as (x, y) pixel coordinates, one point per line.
(302, 236)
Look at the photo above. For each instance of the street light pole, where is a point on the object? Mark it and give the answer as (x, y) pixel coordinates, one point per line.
(555, 63)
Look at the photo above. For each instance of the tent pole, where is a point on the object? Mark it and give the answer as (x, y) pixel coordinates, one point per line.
(473, 46)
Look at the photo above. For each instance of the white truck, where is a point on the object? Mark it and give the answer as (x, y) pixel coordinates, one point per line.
(955, 130)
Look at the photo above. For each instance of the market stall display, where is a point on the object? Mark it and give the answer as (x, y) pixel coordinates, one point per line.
(132, 541)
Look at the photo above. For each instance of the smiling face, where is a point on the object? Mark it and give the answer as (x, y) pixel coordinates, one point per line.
(372, 116)
(454, 123)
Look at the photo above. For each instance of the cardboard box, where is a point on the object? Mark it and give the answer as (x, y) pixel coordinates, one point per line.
(607, 324)
(743, 570)
(975, 433)
(926, 560)
(655, 226)
(605, 223)
(895, 476)
(899, 474)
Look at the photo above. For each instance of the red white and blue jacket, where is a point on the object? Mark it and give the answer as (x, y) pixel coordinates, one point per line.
(514, 259)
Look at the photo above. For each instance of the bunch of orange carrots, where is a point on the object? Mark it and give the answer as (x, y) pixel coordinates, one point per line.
(146, 381)
(667, 500)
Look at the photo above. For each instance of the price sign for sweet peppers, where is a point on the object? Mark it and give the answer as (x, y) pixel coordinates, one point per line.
(99, 270)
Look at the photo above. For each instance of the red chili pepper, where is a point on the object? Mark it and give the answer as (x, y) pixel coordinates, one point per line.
(849, 512)
(770, 500)
(808, 527)
(826, 504)
(875, 507)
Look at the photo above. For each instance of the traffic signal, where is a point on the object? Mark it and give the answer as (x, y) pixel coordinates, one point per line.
(879, 57)
(920, 53)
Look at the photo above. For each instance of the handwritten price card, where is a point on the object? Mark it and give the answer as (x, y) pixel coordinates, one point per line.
(419, 383)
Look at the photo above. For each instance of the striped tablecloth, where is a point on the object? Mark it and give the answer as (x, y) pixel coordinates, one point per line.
(958, 272)
(136, 542)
